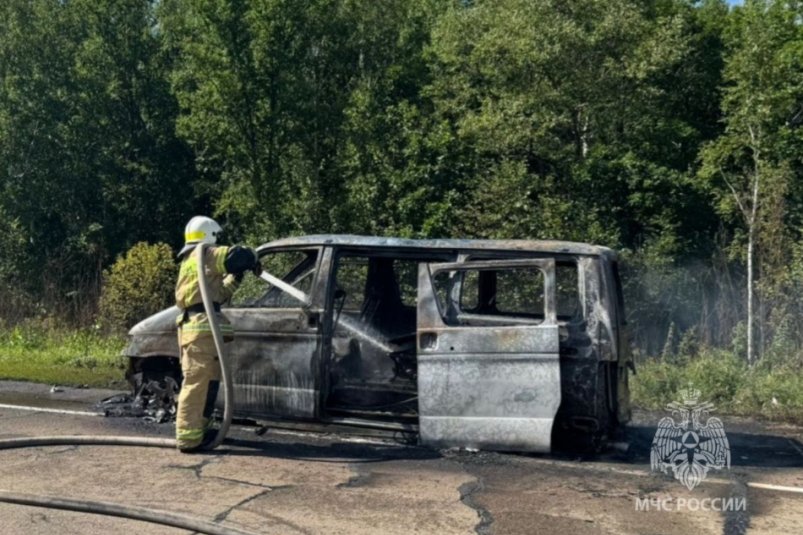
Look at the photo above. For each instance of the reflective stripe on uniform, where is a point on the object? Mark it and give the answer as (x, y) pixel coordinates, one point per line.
(193, 435)
(205, 327)
(220, 259)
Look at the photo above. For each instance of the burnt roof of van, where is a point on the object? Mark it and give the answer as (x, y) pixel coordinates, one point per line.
(348, 240)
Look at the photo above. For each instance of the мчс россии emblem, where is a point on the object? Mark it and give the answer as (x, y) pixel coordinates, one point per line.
(693, 445)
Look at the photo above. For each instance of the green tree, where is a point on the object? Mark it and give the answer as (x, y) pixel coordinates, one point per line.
(582, 120)
(398, 158)
(87, 146)
(567, 108)
(261, 88)
(307, 116)
(751, 166)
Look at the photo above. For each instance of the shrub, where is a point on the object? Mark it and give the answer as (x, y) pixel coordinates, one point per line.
(774, 392)
(656, 383)
(137, 285)
(719, 375)
(768, 389)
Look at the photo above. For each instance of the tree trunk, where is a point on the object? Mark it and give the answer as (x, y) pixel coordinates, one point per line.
(752, 221)
(750, 329)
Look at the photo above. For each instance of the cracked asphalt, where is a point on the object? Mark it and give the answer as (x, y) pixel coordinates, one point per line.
(290, 482)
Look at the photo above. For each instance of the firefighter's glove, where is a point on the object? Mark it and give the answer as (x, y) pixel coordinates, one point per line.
(257, 269)
(240, 259)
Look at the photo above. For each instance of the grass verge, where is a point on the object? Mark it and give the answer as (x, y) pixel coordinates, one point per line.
(773, 388)
(60, 356)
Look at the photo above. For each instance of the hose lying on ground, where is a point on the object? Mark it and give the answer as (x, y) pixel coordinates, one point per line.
(86, 440)
(137, 513)
(123, 511)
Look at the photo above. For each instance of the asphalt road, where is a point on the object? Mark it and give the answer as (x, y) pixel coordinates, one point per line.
(288, 482)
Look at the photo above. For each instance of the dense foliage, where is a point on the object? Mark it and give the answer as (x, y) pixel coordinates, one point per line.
(137, 285)
(669, 130)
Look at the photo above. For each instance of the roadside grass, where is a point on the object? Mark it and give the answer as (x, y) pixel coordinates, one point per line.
(772, 388)
(59, 356)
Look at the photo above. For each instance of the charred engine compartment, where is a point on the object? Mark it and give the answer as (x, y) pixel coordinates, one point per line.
(155, 384)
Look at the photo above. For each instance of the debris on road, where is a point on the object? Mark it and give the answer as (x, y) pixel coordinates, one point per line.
(154, 402)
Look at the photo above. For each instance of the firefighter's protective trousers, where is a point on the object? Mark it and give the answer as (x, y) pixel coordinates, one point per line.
(199, 360)
(196, 401)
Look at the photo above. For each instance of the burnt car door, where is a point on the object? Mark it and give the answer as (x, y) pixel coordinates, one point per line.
(488, 354)
(277, 337)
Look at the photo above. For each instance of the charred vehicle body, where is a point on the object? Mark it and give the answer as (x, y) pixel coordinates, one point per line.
(492, 344)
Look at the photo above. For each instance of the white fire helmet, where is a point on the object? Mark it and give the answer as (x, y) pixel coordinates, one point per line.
(200, 229)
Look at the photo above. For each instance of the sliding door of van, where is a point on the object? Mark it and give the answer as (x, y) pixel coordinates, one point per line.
(487, 349)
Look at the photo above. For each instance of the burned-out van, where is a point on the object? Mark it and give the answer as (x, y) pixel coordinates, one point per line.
(490, 344)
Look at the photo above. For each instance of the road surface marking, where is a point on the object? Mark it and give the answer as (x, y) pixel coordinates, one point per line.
(646, 473)
(43, 409)
(766, 486)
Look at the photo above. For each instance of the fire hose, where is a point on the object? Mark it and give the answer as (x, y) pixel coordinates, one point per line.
(125, 511)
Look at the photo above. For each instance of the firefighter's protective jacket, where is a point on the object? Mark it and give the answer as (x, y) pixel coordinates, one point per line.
(195, 324)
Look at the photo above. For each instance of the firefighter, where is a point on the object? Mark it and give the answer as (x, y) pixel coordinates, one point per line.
(224, 268)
